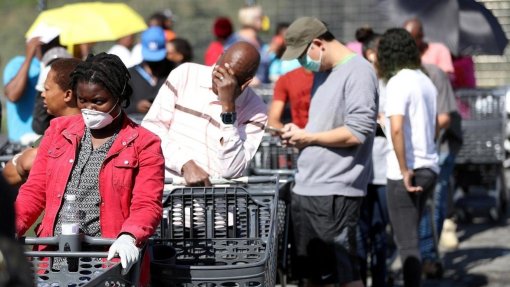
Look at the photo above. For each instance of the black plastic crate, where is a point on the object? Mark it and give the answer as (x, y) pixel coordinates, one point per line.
(483, 125)
(221, 236)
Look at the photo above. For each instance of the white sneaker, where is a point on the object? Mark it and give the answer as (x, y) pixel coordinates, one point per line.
(449, 238)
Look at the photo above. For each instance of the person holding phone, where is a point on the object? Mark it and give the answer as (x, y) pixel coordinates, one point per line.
(334, 165)
(412, 162)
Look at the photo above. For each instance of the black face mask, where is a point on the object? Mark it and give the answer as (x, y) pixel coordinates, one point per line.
(162, 68)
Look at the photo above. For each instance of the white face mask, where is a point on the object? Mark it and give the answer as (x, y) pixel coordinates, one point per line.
(95, 120)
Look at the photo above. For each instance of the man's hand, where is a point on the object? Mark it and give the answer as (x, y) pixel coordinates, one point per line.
(293, 135)
(228, 86)
(195, 175)
(143, 106)
(408, 182)
(32, 46)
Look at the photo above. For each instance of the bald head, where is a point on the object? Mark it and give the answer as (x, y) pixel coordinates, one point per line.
(244, 59)
(415, 28)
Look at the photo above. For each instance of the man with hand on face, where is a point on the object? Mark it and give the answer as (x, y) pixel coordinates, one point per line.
(209, 121)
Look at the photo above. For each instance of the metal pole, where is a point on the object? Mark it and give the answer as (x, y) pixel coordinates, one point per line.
(42, 5)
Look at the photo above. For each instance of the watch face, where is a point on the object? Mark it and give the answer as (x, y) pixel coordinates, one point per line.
(228, 118)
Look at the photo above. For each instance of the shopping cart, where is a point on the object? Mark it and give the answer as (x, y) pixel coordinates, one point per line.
(84, 268)
(224, 235)
(479, 174)
(8, 150)
(273, 158)
(265, 91)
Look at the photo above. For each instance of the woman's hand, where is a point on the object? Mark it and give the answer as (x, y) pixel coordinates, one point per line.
(125, 247)
(409, 183)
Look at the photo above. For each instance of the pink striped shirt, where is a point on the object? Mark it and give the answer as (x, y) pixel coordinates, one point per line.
(186, 116)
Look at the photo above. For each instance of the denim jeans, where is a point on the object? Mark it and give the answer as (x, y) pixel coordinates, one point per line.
(441, 197)
(405, 210)
(371, 235)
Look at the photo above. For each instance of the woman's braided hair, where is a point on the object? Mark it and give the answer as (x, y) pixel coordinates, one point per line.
(108, 71)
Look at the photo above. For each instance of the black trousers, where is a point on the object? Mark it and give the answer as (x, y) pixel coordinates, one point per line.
(405, 210)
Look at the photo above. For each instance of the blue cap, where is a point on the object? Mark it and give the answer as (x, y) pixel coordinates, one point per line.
(153, 44)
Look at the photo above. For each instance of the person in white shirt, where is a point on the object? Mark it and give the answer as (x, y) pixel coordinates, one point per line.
(209, 121)
(412, 164)
(122, 49)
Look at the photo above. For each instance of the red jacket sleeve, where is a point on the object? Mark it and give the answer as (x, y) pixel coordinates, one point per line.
(31, 198)
(146, 207)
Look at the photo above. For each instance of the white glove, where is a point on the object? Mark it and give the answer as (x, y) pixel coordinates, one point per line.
(125, 247)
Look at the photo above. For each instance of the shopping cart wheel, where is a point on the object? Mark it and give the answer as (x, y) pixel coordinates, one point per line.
(463, 216)
(497, 213)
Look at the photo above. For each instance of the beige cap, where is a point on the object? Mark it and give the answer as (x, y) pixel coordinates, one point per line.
(300, 34)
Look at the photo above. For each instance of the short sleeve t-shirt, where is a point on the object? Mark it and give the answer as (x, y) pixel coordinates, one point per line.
(295, 87)
(19, 114)
(410, 93)
(445, 96)
(439, 55)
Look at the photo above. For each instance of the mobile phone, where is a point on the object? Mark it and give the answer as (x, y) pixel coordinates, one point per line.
(274, 130)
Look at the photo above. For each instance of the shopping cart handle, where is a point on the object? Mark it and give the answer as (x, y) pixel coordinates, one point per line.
(96, 241)
(5, 158)
(243, 179)
(39, 240)
(67, 254)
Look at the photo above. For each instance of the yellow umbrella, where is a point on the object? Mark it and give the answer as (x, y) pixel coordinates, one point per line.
(91, 22)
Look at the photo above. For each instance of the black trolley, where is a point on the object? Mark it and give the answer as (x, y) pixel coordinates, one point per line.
(479, 174)
(273, 158)
(224, 235)
(91, 268)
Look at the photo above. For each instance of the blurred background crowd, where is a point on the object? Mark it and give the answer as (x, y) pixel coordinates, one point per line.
(465, 39)
(196, 30)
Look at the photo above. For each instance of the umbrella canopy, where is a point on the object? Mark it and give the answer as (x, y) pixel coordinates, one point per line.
(465, 26)
(90, 22)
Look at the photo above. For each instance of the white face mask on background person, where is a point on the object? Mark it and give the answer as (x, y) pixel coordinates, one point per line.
(95, 120)
(310, 64)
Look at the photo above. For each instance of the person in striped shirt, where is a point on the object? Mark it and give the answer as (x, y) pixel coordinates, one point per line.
(209, 121)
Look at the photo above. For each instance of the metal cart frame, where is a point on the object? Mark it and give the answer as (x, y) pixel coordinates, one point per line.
(479, 174)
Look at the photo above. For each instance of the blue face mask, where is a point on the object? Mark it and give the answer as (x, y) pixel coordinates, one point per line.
(309, 63)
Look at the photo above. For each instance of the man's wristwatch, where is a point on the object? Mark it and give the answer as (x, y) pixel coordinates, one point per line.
(228, 118)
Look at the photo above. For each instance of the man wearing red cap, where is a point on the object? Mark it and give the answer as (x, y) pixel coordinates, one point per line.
(222, 29)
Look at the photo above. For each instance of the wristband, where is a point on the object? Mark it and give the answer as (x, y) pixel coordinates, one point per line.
(14, 159)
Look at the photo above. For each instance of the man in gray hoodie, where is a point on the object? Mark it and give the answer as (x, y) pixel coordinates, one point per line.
(335, 162)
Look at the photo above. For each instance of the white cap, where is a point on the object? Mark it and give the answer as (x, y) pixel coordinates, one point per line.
(71, 197)
(45, 32)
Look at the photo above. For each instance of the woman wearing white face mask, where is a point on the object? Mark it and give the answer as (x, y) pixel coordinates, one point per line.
(113, 166)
